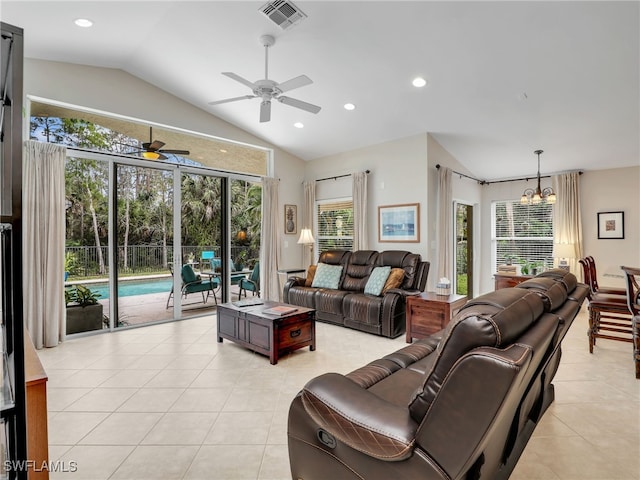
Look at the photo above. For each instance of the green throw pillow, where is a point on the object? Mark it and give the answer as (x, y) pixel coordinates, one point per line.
(376, 281)
(327, 276)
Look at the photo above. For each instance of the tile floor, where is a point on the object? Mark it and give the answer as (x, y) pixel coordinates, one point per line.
(168, 402)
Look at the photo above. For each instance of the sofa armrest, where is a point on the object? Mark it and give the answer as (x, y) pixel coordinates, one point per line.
(294, 282)
(360, 418)
(404, 293)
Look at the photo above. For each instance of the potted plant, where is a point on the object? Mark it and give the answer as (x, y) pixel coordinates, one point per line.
(241, 260)
(84, 313)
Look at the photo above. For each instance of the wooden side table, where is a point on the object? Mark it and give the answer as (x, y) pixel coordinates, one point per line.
(506, 280)
(428, 313)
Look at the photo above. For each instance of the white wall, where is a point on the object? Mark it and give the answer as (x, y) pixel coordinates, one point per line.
(611, 190)
(115, 91)
(398, 175)
(402, 171)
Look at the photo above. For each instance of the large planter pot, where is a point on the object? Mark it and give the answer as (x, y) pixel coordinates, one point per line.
(84, 319)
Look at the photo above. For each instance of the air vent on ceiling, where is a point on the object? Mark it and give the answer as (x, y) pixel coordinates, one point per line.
(283, 13)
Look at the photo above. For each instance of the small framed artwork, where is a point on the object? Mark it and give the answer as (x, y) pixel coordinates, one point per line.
(290, 219)
(610, 225)
(399, 223)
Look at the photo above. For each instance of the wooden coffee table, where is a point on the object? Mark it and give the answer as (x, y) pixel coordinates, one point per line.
(271, 335)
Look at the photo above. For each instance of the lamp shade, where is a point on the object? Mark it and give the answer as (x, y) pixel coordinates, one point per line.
(151, 155)
(306, 237)
(564, 250)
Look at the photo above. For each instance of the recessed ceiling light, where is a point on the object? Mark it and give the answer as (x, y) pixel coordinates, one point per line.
(222, 150)
(83, 22)
(298, 125)
(419, 82)
(349, 106)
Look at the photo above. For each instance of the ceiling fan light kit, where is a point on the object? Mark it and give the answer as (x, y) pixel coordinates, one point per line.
(153, 150)
(268, 90)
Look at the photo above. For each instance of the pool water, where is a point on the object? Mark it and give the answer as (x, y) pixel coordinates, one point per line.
(130, 288)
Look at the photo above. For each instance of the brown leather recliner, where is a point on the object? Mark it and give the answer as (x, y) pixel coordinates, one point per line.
(460, 404)
(349, 305)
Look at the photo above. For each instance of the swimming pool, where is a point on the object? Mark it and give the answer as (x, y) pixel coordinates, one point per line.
(130, 288)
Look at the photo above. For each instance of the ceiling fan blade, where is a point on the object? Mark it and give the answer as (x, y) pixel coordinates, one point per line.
(155, 145)
(234, 99)
(265, 111)
(297, 82)
(175, 152)
(238, 78)
(293, 102)
(161, 156)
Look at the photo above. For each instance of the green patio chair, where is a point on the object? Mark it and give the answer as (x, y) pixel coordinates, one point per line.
(192, 283)
(206, 259)
(251, 284)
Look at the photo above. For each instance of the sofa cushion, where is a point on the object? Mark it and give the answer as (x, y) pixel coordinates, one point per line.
(327, 276)
(396, 276)
(408, 261)
(310, 274)
(357, 271)
(377, 280)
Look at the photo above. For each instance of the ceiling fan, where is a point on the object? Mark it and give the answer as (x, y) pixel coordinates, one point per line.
(269, 90)
(152, 150)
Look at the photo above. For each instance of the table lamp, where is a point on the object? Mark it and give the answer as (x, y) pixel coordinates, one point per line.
(306, 238)
(563, 251)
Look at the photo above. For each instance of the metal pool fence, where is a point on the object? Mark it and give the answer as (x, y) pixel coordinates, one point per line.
(84, 261)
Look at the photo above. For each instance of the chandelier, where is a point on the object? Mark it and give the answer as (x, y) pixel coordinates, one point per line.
(531, 196)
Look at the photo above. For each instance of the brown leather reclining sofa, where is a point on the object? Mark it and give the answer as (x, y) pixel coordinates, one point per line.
(349, 305)
(460, 404)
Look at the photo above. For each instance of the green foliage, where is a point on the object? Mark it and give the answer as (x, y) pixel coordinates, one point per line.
(80, 295)
(145, 200)
(70, 263)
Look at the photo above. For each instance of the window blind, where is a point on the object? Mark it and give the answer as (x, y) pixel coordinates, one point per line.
(522, 234)
(334, 225)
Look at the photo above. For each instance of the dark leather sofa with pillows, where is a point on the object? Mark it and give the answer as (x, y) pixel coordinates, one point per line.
(357, 289)
(460, 404)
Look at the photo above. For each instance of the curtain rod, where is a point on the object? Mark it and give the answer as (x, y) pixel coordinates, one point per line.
(487, 182)
(340, 176)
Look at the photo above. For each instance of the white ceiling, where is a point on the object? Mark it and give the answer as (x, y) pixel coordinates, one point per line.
(578, 64)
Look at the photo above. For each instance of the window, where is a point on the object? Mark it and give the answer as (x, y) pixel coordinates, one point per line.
(335, 225)
(522, 234)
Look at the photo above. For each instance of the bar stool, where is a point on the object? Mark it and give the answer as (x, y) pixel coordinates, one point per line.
(609, 315)
(633, 302)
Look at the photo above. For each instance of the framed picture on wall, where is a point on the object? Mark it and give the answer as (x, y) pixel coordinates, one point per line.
(399, 223)
(610, 225)
(290, 219)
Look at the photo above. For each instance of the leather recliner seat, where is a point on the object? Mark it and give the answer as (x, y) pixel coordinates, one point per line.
(459, 404)
(349, 305)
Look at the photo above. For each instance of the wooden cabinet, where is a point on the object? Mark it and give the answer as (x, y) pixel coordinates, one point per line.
(505, 280)
(270, 335)
(428, 313)
(36, 386)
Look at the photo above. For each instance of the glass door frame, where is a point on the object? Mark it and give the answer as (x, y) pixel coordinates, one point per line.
(225, 245)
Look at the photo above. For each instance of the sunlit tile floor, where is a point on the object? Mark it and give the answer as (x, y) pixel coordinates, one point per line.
(169, 402)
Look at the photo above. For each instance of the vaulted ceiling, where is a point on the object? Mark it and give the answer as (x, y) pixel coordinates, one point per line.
(504, 78)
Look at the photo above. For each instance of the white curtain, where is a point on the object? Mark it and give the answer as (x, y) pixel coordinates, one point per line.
(43, 242)
(567, 221)
(445, 224)
(307, 218)
(360, 211)
(269, 239)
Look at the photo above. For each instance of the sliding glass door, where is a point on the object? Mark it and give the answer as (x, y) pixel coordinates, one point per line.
(144, 238)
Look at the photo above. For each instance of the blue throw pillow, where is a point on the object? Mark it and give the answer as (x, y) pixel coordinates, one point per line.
(376, 281)
(327, 276)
